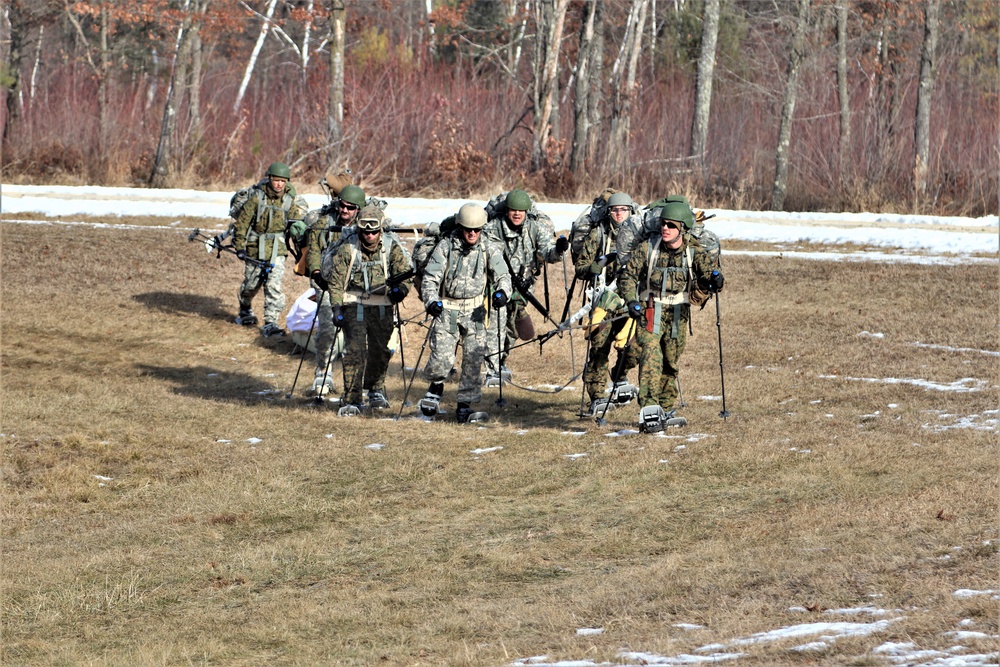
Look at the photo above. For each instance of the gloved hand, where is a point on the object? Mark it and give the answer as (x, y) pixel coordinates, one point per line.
(241, 255)
(562, 244)
(598, 264)
(716, 281)
(297, 229)
(434, 308)
(499, 299)
(338, 316)
(635, 310)
(318, 278)
(396, 294)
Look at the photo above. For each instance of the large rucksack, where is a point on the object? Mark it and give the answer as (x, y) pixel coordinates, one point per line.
(581, 227)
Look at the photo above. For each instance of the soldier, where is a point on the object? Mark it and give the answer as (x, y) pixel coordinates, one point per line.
(359, 271)
(259, 232)
(665, 274)
(325, 227)
(597, 264)
(524, 241)
(464, 276)
(641, 226)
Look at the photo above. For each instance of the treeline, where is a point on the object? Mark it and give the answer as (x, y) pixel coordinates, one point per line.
(796, 104)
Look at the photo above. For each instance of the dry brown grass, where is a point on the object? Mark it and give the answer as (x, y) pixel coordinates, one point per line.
(307, 548)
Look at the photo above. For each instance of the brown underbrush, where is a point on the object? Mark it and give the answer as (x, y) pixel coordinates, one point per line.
(164, 503)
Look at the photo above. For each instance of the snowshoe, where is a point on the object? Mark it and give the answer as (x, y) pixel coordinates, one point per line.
(349, 410)
(270, 330)
(246, 318)
(377, 400)
(430, 404)
(494, 379)
(623, 392)
(653, 419)
(320, 389)
(599, 406)
(465, 415)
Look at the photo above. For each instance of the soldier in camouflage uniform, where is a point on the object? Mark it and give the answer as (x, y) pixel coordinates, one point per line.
(465, 271)
(597, 264)
(665, 274)
(356, 271)
(259, 232)
(639, 227)
(524, 241)
(325, 226)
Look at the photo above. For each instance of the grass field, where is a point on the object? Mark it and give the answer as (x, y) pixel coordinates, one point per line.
(165, 504)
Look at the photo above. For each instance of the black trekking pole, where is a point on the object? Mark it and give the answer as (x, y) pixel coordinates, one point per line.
(601, 421)
(572, 351)
(318, 399)
(500, 402)
(722, 370)
(402, 358)
(304, 350)
(590, 344)
(416, 367)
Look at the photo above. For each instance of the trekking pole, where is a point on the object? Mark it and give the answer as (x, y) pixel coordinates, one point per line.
(590, 344)
(500, 402)
(406, 391)
(601, 421)
(304, 350)
(318, 399)
(572, 351)
(722, 370)
(399, 328)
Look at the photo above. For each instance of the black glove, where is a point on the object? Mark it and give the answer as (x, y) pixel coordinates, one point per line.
(338, 317)
(320, 280)
(716, 281)
(562, 244)
(241, 255)
(635, 310)
(434, 308)
(499, 299)
(598, 264)
(396, 294)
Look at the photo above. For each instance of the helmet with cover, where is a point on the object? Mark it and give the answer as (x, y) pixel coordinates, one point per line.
(279, 170)
(370, 219)
(518, 200)
(678, 212)
(620, 199)
(352, 194)
(471, 216)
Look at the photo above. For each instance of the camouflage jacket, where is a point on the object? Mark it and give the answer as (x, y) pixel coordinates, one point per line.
(668, 276)
(320, 234)
(358, 275)
(458, 271)
(271, 221)
(523, 246)
(638, 227)
(600, 241)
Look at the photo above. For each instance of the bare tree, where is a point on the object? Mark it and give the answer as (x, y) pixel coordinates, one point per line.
(252, 62)
(922, 124)
(550, 19)
(703, 87)
(842, 94)
(582, 84)
(796, 55)
(335, 110)
(101, 69)
(623, 88)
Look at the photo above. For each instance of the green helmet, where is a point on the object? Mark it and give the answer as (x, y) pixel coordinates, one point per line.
(518, 200)
(352, 194)
(619, 199)
(279, 169)
(678, 212)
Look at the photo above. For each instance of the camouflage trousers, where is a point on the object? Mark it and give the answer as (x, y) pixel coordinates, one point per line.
(659, 355)
(327, 347)
(274, 297)
(501, 334)
(367, 330)
(595, 374)
(448, 330)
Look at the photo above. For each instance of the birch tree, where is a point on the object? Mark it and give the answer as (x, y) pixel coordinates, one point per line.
(550, 20)
(582, 87)
(796, 55)
(703, 86)
(623, 88)
(842, 94)
(921, 130)
(252, 62)
(335, 109)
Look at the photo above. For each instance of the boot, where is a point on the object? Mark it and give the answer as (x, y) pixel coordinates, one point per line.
(430, 404)
(246, 317)
(377, 400)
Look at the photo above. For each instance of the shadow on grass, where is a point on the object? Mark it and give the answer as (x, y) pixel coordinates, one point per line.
(216, 385)
(177, 303)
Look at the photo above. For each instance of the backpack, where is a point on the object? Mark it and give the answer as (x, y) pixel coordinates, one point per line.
(423, 248)
(588, 219)
(497, 207)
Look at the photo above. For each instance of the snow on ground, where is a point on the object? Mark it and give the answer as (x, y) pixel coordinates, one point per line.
(938, 240)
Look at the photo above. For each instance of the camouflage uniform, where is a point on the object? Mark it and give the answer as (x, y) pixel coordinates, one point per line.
(260, 232)
(357, 278)
(521, 246)
(663, 282)
(462, 277)
(599, 242)
(321, 235)
(638, 227)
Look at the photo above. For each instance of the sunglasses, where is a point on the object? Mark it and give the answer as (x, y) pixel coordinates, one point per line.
(370, 232)
(672, 225)
(348, 207)
(621, 209)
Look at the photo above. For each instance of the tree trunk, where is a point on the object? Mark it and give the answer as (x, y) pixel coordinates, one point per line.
(584, 63)
(550, 19)
(795, 57)
(595, 96)
(922, 123)
(335, 110)
(623, 91)
(252, 62)
(162, 172)
(703, 87)
(194, 82)
(843, 158)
